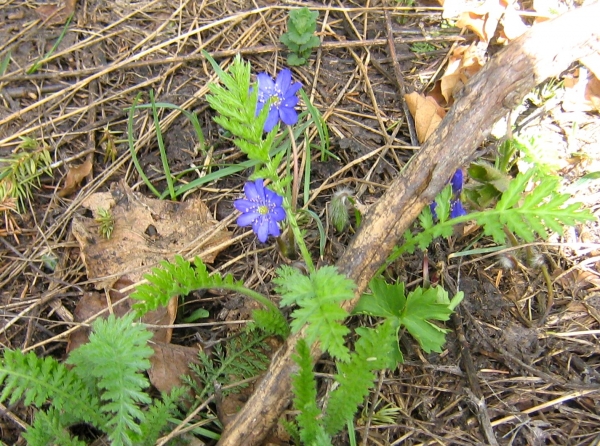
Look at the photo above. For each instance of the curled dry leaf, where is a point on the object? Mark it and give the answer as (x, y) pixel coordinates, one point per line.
(75, 176)
(426, 113)
(169, 363)
(464, 62)
(483, 20)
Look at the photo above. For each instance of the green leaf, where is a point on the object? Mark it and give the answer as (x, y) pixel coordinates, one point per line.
(386, 300)
(294, 60)
(305, 401)
(421, 305)
(304, 20)
(114, 358)
(413, 312)
(374, 350)
(318, 296)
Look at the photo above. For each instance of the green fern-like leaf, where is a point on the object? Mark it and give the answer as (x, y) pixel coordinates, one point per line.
(271, 322)
(49, 428)
(176, 278)
(235, 103)
(158, 415)
(372, 352)
(20, 172)
(114, 357)
(318, 297)
(305, 400)
(241, 358)
(43, 379)
(180, 278)
(528, 215)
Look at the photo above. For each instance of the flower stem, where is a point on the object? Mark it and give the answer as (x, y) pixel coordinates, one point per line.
(291, 216)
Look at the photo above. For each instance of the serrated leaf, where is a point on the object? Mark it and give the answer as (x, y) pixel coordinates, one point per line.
(386, 300)
(442, 209)
(294, 60)
(318, 296)
(515, 190)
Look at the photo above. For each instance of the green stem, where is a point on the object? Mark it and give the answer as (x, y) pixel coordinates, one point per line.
(291, 217)
(252, 294)
(161, 148)
(131, 143)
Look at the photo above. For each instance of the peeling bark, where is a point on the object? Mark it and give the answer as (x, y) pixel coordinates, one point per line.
(545, 50)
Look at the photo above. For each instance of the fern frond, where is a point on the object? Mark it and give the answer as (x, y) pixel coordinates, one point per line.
(525, 214)
(530, 214)
(158, 415)
(318, 296)
(114, 357)
(305, 400)
(241, 358)
(49, 428)
(372, 352)
(235, 103)
(43, 379)
(177, 278)
(271, 322)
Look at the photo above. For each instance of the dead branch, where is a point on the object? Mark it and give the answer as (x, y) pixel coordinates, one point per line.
(546, 50)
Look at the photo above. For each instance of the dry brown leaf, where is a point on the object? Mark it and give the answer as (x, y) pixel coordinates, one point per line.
(56, 14)
(482, 20)
(168, 363)
(462, 65)
(75, 176)
(145, 232)
(426, 113)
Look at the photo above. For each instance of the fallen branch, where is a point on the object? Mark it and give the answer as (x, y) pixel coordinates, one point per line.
(545, 50)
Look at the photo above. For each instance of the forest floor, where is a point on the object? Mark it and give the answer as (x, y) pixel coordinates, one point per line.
(529, 324)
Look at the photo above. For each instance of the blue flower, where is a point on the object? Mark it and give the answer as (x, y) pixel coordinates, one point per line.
(457, 182)
(261, 208)
(432, 208)
(457, 209)
(283, 91)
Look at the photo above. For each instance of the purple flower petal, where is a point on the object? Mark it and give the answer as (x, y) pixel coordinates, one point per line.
(292, 90)
(244, 205)
(247, 219)
(266, 86)
(283, 81)
(273, 198)
(457, 209)
(290, 102)
(272, 119)
(457, 182)
(274, 228)
(278, 214)
(250, 191)
(288, 115)
(260, 190)
(261, 228)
